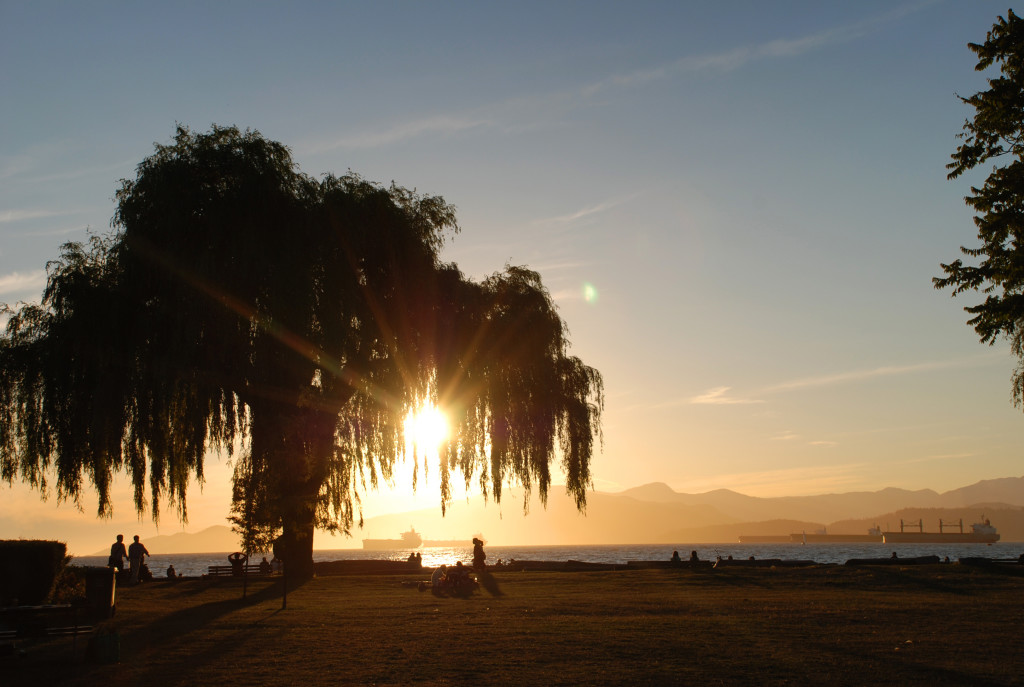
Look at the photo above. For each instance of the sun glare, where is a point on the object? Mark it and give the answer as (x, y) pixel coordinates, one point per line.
(426, 429)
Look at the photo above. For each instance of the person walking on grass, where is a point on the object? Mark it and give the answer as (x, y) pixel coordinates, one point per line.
(117, 554)
(136, 553)
(478, 554)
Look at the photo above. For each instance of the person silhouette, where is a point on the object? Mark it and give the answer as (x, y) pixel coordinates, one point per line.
(136, 553)
(438, 577)
(478, 554)
(238, 561)
(117, 554)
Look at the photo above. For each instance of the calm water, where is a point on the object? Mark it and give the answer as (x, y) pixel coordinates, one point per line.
(196, 564)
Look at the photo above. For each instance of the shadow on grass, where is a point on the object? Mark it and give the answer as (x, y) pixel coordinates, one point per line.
(489, 583)
(190, 627)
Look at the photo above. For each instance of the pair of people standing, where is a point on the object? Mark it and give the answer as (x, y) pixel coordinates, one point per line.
(135, 554)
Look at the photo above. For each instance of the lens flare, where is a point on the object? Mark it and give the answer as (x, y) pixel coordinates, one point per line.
(589, 292)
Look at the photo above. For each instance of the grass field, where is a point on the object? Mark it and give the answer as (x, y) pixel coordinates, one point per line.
(935, 625)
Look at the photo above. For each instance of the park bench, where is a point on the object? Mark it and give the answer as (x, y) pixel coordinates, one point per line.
(229, 570)
(18, 623)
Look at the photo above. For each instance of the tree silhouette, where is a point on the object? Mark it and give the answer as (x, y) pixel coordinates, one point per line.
(996, 133)
(238, 302)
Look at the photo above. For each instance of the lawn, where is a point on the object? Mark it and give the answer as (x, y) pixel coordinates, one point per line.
(836, 625)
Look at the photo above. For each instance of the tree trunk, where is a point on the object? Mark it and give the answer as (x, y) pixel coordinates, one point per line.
(298, 522)
(297, 542)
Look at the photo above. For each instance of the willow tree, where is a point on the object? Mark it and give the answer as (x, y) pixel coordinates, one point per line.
(239, 302)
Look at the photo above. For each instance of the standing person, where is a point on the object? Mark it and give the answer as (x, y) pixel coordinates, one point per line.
(117, 554)
(136, 553)
(478, 554)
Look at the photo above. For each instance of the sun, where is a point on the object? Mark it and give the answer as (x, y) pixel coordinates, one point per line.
(426, 429)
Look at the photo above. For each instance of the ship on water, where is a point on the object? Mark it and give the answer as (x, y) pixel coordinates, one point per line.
(822, 536)
(413, 540)
(981, 533)
(409, 540)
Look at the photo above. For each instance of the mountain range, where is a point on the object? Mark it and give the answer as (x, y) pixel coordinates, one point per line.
(656, 514)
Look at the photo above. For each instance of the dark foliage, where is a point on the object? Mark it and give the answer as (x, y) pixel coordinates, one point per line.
(996, 134)
(28, 569)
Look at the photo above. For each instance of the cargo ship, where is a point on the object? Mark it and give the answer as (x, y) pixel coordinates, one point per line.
(874, 536)
(821, 536)
(981, 533)
(409, 540)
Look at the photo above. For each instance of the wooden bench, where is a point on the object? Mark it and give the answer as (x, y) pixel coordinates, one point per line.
(229, 570)
(34, 622)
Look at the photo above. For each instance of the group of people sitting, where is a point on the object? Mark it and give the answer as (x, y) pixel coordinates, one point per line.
(454, 579)
(238, 561)
(693, 557)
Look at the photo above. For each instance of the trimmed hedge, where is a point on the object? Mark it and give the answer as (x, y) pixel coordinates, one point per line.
(28, 569)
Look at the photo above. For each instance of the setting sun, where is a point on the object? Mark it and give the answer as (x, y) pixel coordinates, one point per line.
(426, 429)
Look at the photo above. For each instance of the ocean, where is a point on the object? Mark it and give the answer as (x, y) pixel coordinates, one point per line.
(196, 564)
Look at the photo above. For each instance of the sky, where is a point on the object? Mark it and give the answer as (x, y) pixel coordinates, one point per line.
(738, 207)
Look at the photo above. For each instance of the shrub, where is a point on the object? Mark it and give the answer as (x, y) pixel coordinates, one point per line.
(28, 569)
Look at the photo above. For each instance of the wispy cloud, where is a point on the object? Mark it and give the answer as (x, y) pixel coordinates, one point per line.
(798, 438)
(876, 372)
(786, 436)
(62, 231)
(719, 397)
(125, 166)
(22, 282)
(8, 216)
(530, 112)
(590, 210)
(736, 58)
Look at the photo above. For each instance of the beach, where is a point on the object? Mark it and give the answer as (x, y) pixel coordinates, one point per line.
(938, 625)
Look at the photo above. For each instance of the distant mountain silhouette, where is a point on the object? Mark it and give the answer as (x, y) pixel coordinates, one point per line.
(215, 539)
(656, 514)
(1009, 490)
(832, 507)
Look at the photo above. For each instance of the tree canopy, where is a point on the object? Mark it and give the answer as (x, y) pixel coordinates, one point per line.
(239, 302)
(995, 134)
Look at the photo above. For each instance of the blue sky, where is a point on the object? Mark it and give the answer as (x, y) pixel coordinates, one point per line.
(753, 194)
